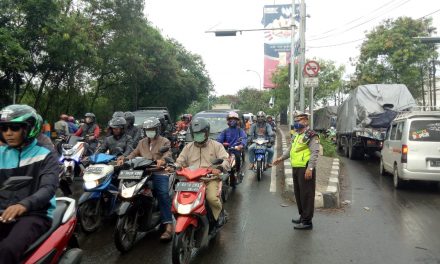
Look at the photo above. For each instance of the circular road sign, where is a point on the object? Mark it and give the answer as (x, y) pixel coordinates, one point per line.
(311, 68)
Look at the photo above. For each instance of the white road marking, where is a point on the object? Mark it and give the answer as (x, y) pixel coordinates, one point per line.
(273, 173)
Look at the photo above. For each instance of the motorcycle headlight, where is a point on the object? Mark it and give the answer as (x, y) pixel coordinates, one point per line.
(91, 184)
(185, 209)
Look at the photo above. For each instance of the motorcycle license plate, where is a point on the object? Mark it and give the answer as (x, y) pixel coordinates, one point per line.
(434, 163)
(188, 186)
(94, 170)
(130, 175)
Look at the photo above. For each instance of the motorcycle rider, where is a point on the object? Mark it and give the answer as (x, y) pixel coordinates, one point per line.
(184, 123)
(61, 126)
(42, 139)
(132, 130)
(198, 154)
(149, 148)
(90, 130)
(261, 129)
(271, 122)
(234, 136)
(26, 214)
(71, 124)
(118, 139)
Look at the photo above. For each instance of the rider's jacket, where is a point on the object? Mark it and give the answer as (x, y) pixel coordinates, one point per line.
(111, 143)
(232, 135)
(261, 130)
(135, 133)
(37, 162)
(88, 129)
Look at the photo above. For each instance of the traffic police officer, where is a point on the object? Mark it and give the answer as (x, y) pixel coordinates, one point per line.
(303, 154)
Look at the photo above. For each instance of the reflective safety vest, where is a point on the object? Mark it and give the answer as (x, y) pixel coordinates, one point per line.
(299, 152)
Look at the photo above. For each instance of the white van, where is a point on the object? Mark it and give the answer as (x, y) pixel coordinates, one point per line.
(411, 150)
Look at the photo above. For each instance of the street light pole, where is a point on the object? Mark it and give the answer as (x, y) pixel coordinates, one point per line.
(292, 67)
(303, 55)
(259, 77)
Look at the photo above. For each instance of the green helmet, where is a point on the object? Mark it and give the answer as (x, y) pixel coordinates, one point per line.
(22, 114)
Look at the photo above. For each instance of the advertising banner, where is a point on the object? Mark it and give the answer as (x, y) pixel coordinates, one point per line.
(277, 41)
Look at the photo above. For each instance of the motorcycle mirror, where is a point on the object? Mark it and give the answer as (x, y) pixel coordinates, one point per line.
(15, 183)
(216, 161)
(164, 149)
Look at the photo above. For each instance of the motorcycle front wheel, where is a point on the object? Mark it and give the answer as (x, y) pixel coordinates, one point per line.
(90, 215)
(259, 170)
(125, 232)
(182, 248)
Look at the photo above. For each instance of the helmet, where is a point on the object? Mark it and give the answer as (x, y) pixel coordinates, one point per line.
(21, 114)
(261, 116)
(117, 122)
(129, 117)
(151, 122)
(232, 114)
(91, 115)
(118, 114)
(200, 124)
(186, 116)
(298, 114)
(64, 117)
(71, 119)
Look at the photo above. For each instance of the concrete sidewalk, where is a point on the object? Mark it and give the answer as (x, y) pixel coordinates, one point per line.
(327, 178)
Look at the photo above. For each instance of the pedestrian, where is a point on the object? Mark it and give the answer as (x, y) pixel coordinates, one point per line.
(303, 154)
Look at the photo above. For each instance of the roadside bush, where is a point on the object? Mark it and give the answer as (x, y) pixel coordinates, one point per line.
(328, 146)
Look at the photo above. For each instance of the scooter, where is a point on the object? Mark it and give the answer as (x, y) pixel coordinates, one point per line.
(139, 209)
(179, 142)
(72, 154)
(59, 244)
(235, 176)
(100, 194)
(260, 156)
(195, 225)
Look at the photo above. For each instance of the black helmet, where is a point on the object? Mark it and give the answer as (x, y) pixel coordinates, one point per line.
(129, 117)
(118, 114)
(21, 114)
(117, 122)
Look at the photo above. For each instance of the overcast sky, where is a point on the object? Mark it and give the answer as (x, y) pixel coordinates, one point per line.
(227, 59)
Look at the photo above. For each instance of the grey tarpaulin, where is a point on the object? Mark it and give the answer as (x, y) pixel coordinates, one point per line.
(325, 118)
(367, 101)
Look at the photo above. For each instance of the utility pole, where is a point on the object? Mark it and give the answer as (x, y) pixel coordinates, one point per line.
(292, 67)
(303, 55)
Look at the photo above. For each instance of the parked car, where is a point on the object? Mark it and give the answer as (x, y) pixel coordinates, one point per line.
(411, 149)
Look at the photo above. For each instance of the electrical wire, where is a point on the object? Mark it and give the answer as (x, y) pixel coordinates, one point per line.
(363, 23)
(354, 20)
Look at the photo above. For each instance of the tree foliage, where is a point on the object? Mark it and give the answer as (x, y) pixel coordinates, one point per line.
(391, 54)
(95, 55)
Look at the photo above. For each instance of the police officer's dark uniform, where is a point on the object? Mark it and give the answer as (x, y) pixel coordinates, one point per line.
(303, 154)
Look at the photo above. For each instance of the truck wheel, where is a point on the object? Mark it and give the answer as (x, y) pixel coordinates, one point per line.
(353, 152)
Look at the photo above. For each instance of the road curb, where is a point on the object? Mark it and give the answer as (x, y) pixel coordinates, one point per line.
(331, 195)
(288, 179)
(327, 199)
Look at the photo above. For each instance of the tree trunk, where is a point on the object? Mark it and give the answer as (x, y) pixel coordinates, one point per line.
(41, 88)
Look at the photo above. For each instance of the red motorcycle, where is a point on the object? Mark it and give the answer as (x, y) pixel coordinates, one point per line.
(59, 243)
(195, 225)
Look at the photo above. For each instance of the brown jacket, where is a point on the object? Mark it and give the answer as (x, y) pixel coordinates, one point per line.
(143, 149)
(193, 156)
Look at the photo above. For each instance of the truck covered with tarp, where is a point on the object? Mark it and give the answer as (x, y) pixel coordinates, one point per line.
(364, 117)
(325, 118)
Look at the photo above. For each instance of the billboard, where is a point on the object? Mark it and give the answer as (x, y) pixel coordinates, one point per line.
(277, 41)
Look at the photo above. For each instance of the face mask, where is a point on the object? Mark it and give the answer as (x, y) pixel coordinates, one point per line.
(232, 123)
(150, 134)
(298, 125)
(199, 137)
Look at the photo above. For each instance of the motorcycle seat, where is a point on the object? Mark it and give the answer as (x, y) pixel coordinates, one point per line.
(56, 222)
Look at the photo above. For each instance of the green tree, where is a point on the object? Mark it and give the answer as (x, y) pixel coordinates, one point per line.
(391, 54)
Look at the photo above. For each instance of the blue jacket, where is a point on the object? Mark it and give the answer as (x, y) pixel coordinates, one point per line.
(38, 162)
(231, 136)
(72, 127)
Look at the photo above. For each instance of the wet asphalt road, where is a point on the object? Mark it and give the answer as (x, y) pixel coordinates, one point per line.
(396, 227)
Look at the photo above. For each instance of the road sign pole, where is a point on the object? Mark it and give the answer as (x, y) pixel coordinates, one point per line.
(292, 67)
(311, 106)
(303, 55)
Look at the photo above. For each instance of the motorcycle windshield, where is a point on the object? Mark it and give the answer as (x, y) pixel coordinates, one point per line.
(192, 174)
(101, 158)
